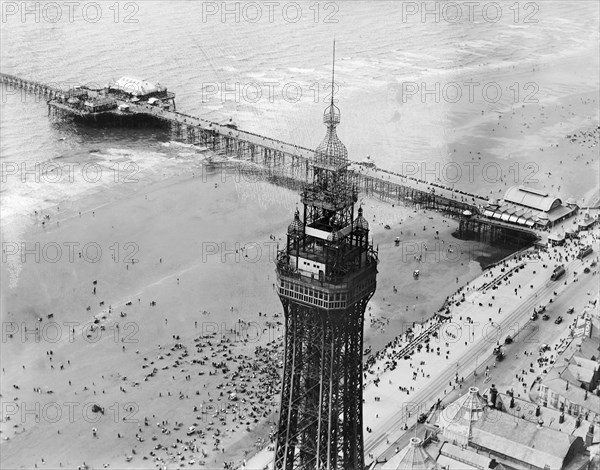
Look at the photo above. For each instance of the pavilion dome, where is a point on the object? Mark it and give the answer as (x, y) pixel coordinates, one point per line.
(412, 457)
(331, 150)
(456, 419)
(542, 216)
(296, 227)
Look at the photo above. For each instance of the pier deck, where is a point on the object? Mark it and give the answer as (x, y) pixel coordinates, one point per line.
(280, 159)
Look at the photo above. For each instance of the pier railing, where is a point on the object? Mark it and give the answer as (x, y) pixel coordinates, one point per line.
(31, 86)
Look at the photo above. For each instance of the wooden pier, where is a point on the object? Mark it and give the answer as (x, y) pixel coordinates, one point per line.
(279, 161)
(495, 231)
(30, 86)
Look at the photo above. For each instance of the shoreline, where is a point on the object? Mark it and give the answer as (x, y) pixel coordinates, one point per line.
(437, 318)
(146, 330)
(392, 399)
(178, 201)
(195, 256)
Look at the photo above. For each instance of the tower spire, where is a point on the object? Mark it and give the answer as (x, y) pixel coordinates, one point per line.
(331, 117)
(333, 74)
(331, 152)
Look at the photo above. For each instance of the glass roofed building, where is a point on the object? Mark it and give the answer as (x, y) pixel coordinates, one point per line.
(530, 207)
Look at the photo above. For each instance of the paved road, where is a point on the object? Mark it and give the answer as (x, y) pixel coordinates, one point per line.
(384, 439)
(532, 335)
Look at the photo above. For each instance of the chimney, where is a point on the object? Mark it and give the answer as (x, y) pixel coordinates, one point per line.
(493, 396)
(589, 437)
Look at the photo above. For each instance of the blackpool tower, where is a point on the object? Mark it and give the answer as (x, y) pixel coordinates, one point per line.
(326, 275)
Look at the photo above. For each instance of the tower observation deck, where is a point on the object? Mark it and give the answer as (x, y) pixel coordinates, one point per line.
(326, 275)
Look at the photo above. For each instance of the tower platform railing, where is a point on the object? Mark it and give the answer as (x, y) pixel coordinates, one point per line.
(339, 282)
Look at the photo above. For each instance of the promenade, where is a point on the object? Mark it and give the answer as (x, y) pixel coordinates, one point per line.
(482, 314)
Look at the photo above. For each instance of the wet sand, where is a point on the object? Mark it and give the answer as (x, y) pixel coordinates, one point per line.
(175, 231)
(194, 297)
(551, 145)
(543, 132)
(401, 383)
(149, 334)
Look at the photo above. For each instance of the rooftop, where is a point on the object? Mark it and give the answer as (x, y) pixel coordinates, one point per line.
(550, 416)
(573, 367)
(530, 197)
(137, 86)
(456, 419)
(575, 394)
(470, 422)
(519, 439)
(459, 458)
(412, 457)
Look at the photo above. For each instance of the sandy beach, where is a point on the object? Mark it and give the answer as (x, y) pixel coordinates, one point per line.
(403, 384)
(158, 262)
(189, 304)
(137, 314)
(155, 302)
(140, 325)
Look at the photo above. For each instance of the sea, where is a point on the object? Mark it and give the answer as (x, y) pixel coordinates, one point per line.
(268, 66)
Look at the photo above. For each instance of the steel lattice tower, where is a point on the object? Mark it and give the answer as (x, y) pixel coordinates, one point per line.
(325, 277)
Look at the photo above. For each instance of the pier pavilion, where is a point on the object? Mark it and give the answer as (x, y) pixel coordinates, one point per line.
(530, 207)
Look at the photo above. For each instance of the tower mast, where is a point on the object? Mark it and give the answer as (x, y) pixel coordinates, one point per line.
(333, 73)
(326, 275)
